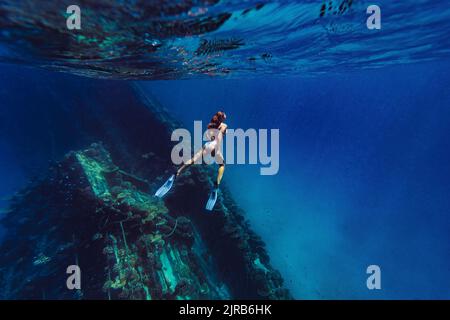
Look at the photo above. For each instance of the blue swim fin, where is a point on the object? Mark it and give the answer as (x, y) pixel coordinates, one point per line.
(212, 199)
(165, 187)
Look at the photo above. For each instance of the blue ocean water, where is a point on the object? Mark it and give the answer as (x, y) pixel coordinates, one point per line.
(127, 39)
(364, 175)
(363, 117)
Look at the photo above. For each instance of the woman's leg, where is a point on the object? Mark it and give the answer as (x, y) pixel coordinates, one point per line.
(221, 163)
(220, 173)
(191, 161)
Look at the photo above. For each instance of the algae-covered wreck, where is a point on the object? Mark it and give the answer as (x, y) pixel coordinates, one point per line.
(95, 209)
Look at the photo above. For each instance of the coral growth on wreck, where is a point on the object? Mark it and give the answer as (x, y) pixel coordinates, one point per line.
(89, 211)
(128, 243)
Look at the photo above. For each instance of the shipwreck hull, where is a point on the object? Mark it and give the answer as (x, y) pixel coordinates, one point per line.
(94, 208)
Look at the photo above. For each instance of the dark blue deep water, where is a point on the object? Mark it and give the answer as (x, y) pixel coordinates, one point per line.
(364, 170)
(364, 175)
(364, 120)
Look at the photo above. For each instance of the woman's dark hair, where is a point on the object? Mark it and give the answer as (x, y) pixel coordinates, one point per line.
(216, 120)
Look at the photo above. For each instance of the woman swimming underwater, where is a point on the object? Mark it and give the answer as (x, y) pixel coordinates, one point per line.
(211, 149)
